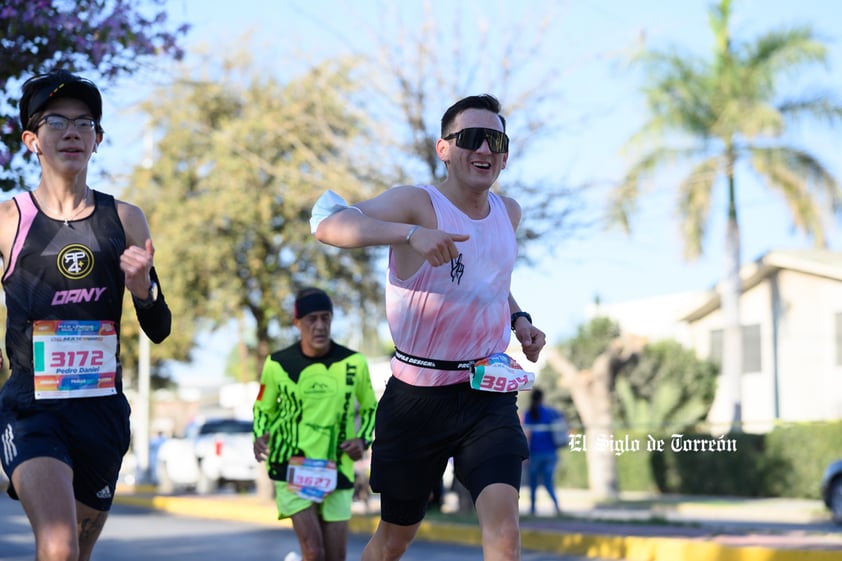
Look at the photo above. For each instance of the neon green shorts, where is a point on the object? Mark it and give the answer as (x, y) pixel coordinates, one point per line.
(335, 508)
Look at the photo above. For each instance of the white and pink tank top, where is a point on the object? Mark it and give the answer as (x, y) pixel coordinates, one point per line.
(459, 311)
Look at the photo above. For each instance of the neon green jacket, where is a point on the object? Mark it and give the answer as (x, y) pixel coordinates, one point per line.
(309, 407)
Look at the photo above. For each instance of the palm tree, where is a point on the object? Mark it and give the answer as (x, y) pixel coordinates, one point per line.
(722, 116)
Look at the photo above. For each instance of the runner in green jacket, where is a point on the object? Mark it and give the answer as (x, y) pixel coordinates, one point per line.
(305, 427)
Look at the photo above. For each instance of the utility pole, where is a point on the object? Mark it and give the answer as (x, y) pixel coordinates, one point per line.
(141, 414)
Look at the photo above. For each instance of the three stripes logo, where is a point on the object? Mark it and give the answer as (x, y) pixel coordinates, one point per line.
(7, 440)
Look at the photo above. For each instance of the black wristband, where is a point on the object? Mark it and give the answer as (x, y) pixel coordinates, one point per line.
(517, 315)
(156, 319)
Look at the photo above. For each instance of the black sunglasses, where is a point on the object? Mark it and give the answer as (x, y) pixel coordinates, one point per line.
(472, 138)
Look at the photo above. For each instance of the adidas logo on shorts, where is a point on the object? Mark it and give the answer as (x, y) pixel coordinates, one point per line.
(104, 493)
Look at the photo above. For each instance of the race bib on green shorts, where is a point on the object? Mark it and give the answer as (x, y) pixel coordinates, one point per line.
(311, 479)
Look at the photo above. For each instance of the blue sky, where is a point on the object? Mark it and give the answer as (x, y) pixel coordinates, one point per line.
(588, 43)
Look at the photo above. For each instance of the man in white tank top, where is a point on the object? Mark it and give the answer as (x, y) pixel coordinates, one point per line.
(452, 251)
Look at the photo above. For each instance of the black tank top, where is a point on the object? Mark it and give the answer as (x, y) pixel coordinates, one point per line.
(60, 271)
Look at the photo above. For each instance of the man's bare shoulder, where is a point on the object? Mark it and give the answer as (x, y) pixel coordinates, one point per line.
(513, 209)
(8, 207)
(134, 222)
(401, 203)
(123, 206)
(409, 192)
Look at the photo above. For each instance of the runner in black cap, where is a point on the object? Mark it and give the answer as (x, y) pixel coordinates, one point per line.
(69, 253)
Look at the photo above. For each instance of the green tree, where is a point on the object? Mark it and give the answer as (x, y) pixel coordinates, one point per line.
(591, 341)
(589, 365)
(109, 37)
(618, 380)
(240, 160)
(667, 387)
(724, 117)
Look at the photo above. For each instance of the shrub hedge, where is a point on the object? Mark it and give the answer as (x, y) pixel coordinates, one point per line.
(788, 461)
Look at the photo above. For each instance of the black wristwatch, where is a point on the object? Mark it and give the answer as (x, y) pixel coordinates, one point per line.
(517, 315)
(150, 299)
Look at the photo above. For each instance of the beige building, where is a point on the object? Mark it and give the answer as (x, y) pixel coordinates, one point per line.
(791, 316)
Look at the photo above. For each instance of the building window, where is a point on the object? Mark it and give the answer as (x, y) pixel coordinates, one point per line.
(751, 346)
(839, 339)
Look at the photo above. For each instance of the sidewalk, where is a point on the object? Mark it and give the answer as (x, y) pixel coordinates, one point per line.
(673, 528)
(638, 528)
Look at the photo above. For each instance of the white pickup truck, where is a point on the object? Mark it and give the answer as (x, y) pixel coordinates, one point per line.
(213, 453)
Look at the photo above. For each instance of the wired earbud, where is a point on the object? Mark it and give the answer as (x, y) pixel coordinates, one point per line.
(35, 147)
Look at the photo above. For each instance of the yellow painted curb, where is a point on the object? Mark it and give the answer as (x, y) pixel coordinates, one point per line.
(363, 524)
(626, 548)
(201, 508)
(450, 533)
(645, 548)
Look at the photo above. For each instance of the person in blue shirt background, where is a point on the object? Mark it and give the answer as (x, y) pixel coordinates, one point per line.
(538, 423)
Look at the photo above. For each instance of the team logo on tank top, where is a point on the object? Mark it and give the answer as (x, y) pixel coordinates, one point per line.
(75, 261)
(457, 269)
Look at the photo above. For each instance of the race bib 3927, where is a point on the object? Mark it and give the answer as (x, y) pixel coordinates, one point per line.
(311, 479)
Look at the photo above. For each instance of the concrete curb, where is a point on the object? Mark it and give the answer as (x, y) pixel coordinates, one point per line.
(626, 548)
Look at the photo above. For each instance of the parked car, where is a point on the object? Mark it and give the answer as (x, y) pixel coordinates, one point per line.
(831, 488)
(212, 453)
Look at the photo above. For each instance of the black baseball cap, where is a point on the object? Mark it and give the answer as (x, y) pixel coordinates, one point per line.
(43, 88)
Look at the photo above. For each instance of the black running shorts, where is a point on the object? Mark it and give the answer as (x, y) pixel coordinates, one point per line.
(418, 429)
(91, 435)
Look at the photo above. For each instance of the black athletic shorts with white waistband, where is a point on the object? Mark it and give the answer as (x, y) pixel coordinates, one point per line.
(418, 429)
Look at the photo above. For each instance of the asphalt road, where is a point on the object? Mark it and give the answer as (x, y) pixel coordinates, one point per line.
(134, 534)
